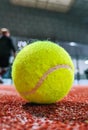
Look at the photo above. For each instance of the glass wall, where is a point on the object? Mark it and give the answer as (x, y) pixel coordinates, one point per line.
(79, 54)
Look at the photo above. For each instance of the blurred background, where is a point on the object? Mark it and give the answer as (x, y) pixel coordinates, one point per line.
(62, 21)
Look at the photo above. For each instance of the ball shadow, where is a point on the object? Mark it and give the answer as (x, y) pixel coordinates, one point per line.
(61, 111)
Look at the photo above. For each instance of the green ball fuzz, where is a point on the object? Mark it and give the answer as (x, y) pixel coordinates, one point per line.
(43, 72)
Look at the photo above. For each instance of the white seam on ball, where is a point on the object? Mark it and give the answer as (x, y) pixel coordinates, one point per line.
(44, 77)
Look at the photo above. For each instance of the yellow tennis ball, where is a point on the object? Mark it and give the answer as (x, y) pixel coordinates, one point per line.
(43, 72)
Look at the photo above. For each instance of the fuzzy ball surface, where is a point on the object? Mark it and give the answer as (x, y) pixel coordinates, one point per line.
(43, 72)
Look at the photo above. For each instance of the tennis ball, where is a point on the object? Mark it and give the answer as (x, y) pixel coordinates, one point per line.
(43, 72)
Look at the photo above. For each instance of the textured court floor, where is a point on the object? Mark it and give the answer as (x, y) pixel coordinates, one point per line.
(69, 114)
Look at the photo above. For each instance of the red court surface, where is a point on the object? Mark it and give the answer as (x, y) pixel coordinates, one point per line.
(69, 114)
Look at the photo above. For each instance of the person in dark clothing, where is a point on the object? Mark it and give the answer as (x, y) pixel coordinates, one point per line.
(6, 50)
(86, 73)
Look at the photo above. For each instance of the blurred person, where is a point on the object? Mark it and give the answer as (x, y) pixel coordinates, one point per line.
(86, 73)
(6, 50)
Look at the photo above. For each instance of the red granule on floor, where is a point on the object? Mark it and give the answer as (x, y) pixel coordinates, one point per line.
(69, 114)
